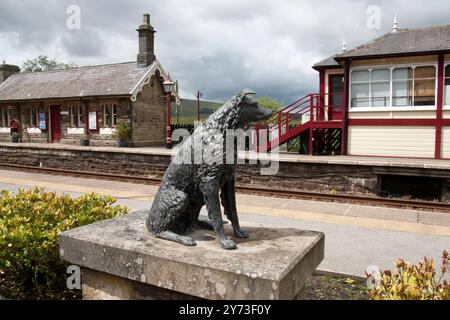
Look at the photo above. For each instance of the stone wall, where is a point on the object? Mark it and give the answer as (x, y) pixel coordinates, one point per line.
(293, 176)
(323, 177)
(149, 115)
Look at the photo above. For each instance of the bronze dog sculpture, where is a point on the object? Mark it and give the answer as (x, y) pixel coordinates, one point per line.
(186, 188)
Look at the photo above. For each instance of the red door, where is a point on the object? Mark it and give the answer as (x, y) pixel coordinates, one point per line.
(336, 95)
(55, 118)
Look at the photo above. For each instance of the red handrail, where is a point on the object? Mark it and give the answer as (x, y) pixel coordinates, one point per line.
(283, 122)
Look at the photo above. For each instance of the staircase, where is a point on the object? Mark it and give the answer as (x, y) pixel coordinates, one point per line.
(306, 114)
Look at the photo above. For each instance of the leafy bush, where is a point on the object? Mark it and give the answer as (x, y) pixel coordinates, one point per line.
(30, 223)
(122, 131)
(414, 282)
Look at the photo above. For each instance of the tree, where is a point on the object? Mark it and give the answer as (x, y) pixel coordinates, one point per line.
(269, 102)
(42, 63)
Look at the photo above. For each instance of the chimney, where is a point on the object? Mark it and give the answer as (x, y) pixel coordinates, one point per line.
(146, 54)
(7, 70)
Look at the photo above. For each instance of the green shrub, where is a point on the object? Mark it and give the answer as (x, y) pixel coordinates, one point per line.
(122, 131)
(30, 223)
(414, 282)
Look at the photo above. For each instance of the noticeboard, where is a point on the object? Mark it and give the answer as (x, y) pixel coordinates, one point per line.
(93, 120)
(42, 121)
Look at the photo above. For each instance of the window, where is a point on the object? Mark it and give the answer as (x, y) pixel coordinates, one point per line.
(411, 86)
(77, 116)
(106, 116)
(114, 115)
(4, 117)
(424, 86)
(109, 116)
(360, 88)
(380, 88)
(73, 117)
(447, 86)
(81, 116)
(34, 117)
(402, 84)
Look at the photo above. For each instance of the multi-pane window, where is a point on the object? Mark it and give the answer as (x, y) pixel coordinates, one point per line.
(380, 88)
(411, 86)
(106, 116)
(402, 85)
(424, 86)
(447, 86)
(5, 117)
(360, 88)
(77, 116)
(114, 115)
(109, 115)
(34, 117)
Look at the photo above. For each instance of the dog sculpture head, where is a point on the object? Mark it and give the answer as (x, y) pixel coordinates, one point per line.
(239, 111)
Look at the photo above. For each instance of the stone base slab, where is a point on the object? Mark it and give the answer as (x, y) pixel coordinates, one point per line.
(120, 260)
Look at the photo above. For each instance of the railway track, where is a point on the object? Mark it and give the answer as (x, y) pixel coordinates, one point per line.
(294, 194)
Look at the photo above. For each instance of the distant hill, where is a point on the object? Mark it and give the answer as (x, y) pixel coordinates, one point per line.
(187, 111)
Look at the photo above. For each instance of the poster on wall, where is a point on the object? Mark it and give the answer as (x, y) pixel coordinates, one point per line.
(93, 120)
(42, 122)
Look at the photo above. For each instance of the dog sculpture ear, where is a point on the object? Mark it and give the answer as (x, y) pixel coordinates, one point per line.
(248, 96)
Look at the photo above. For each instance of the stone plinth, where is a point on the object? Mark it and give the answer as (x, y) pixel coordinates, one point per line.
(120, 260)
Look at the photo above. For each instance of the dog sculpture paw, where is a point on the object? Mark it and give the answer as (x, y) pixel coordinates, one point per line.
(228, 244)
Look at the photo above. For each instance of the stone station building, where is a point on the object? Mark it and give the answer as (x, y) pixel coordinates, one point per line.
(62, 106)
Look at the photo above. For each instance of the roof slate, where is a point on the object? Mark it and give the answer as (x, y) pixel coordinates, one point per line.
(102, 80)
(403, 41)
(328, 62)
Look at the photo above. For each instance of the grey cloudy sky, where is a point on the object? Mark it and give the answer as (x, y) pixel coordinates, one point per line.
(215, 46)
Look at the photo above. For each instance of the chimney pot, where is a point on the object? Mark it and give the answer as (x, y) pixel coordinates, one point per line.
(146, 19)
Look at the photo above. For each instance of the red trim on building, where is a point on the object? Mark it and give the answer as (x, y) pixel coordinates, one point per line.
(393, 122)
(322, 84)
(344, 142)
(439, 102)
(321, 101)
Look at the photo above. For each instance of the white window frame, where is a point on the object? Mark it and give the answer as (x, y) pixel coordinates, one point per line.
(112, 108)
(391, 67)
(34, 123)
(78, 115)
(113, 115)
(3, 119)
(445, 106)
(73, 116)
(106, 107)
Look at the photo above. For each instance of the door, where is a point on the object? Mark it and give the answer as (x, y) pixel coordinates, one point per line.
(336, 95)
(55, 120)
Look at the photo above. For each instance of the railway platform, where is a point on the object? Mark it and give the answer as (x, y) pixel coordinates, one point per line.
(426, 179)
(356, 236)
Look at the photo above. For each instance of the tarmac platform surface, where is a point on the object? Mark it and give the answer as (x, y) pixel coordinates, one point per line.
(356, 236)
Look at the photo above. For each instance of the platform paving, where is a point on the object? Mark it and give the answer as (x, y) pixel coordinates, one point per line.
(356, 236)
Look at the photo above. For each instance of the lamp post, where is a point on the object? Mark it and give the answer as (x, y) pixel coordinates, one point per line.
(168, 87)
